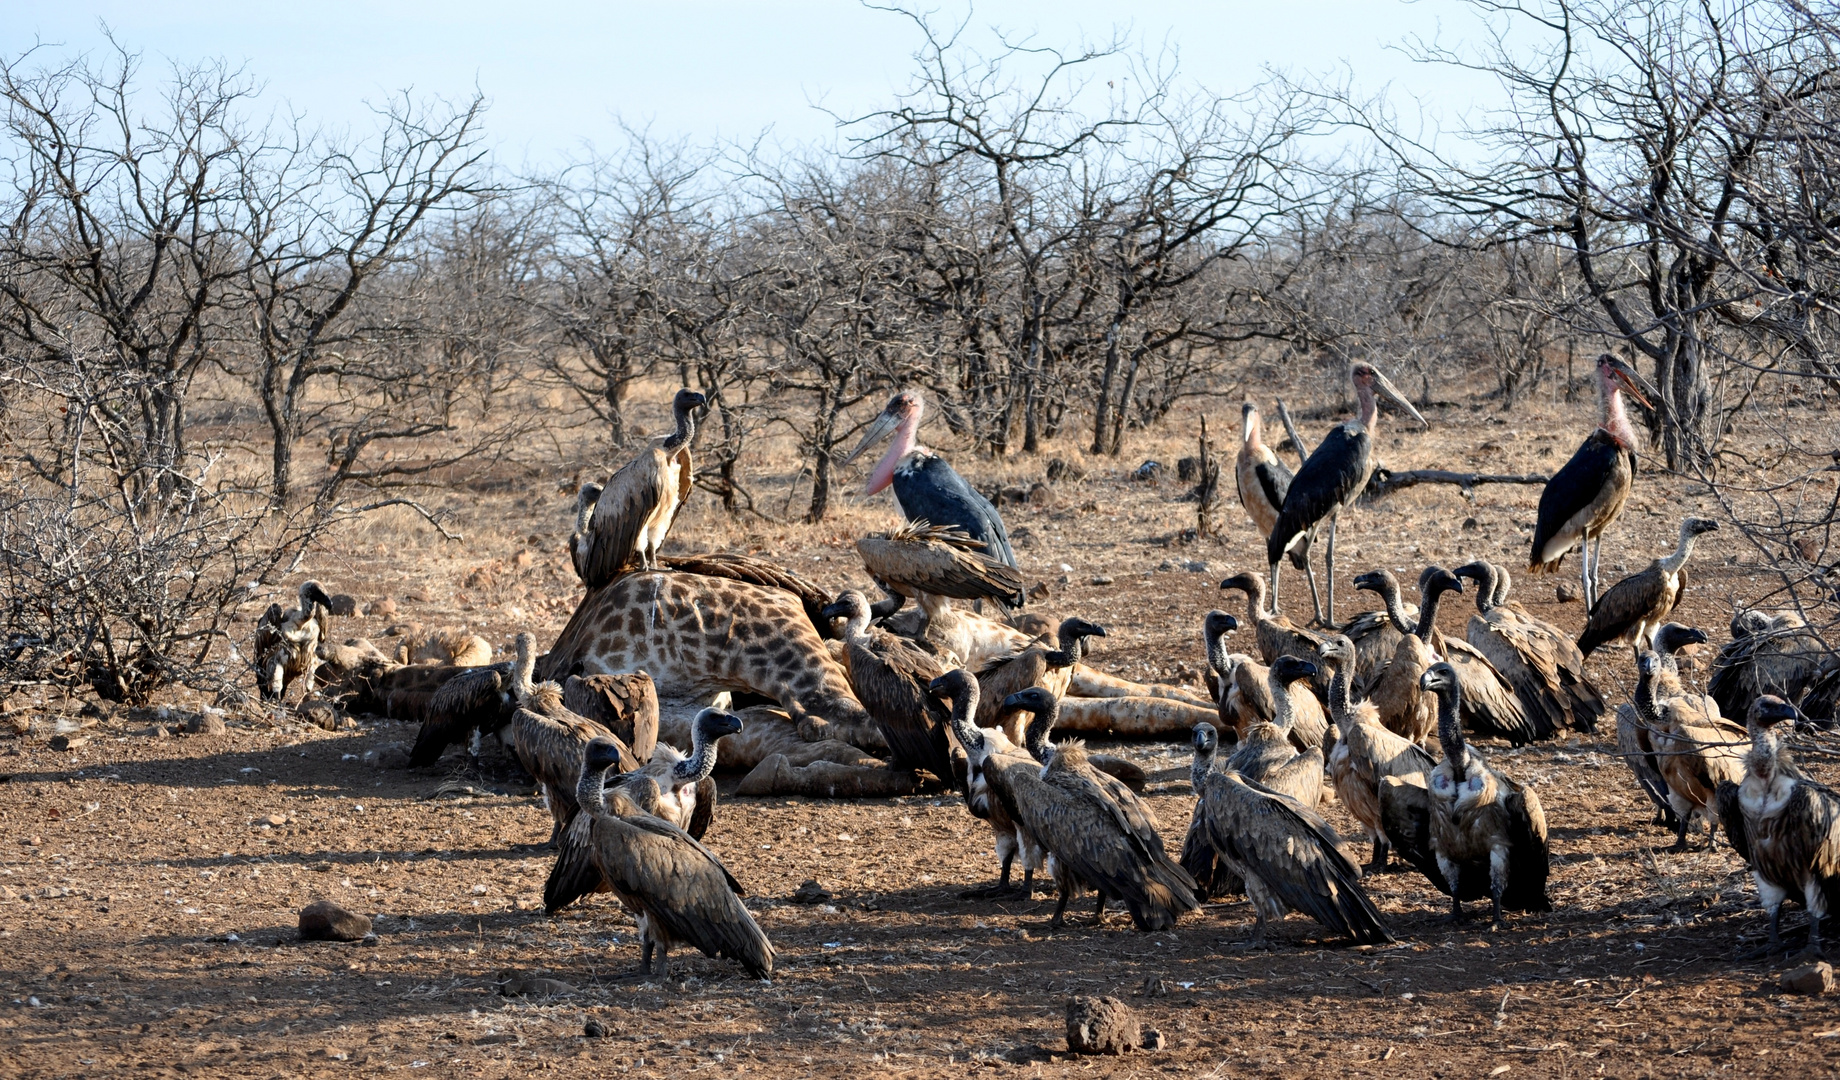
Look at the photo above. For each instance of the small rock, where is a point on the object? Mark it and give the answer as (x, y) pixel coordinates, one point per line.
(1188, 469)
(276, 820)
(1198, 566)
(324, 714)
(524, 558)
(159, 731)
(408, 629)
(69, 742)
(323, 920)
(1152, 1040)
(1564, 593)
(1816, 978)
(205, 724)
(1041, 496)
(593, 1030)
(1060, 469)
(810, 893)
(1470, 524)
(417, 595)
(1102, 1025)
(516, 984)
(90, 708)
(369, 941)
(380, 608)
(1040, 591)
(343, 605)
(1102, 579)
(388, 756)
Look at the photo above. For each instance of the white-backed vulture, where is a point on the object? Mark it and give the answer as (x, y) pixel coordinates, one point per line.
(287, 642)
(921, 558)
(1090, 840)
(548, 738)
(686, 797)
(635, 509)
(625, 704)
(1037, 665)
(890, 676)
(580, 542)
(679, 891)
(1366, 751)
(1635, 607)
(1212, 876)
(1271, 752)
(1696, 750)
(1490, 704)
(1488, 833)
(1405, 708)
(1215, 626)
(1276, 635)
(1636, 724)
(1768, 654)
(1289, 858)
(1542, 664)
(1786, 826)
(473, 704)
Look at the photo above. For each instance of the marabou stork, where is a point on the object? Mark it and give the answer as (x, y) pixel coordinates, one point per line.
(1584, 497)
(1333, 477)
(926, 487)
(1263, 482)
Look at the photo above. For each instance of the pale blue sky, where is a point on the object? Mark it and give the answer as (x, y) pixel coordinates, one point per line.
(557, 74)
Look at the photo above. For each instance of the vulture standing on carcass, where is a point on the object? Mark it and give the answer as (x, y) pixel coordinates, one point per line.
(1538, 660)
(287, 642)
(1636, 606)
(1487, 832)
(936, 564)
(1333, 478)
(1366, 752)
(686, 798)
(677, 888)
(634, 511)
(927, 489)
(1091, 841)
(1636, 728)
(1584, 497)
(1263, 482)
(1786, 826)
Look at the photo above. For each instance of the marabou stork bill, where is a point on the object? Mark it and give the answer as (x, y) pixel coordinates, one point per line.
(1333, 477)
(1584, 497)
(925, 485)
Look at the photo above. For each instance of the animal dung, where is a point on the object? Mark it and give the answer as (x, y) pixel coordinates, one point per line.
(810, 893)
(1106, 1025)
(323, 920)
(209, 722)
(343, 605)
(517, 984)
(69, 742)
(1813, 979)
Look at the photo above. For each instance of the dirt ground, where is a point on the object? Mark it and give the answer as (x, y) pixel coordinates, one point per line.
(149, 884)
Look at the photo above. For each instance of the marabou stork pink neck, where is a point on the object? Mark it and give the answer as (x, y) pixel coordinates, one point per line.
(906, 441)
(1615, 422)
(1370, 409)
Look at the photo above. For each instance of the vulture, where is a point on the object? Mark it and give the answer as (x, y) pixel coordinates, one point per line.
(926, 487)
(1276, 752)
(686, 797)
(1635, 607)
(548, 738)
(580, 542)
(1405, 709)
(1036, 665)
(1584, 497)
(1490, 704)
(1538, 660)
(1212, 877)
(1012, 839)
(1215, 627)
(890, 676)
(625, 704)
(1263, 482)
(634, 511)
(1366, 751)
(921, 559)
(1289, 858)
(1636, 728)
(1333, 478)
(1695, 750)
(1488, 833)
(476, 702)
(1276, 635)
(287, 642)
(677, 888)
(1786, 826)
(1767, 654)
(1091, 840)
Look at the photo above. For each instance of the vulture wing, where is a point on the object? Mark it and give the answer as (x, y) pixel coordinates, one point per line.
(934, 559)
(627, 501)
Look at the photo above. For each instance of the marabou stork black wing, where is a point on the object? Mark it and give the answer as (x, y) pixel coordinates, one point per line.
(1275, 481)
(1331, 477)
(933, 491)
(1572, 491)
(1295, 853)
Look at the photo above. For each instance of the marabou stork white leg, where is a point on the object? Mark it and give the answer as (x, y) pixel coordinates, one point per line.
(1315, 600)
(1584, 573)
(1597, 568)
(1274, 585)
(1329, 569)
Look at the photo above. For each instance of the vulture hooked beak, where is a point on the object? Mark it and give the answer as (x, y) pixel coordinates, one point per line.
(879, 428)
(1392, 394)
(1631, 382)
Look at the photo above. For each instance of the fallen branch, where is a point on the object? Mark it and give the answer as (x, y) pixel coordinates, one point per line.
(1385, 481)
